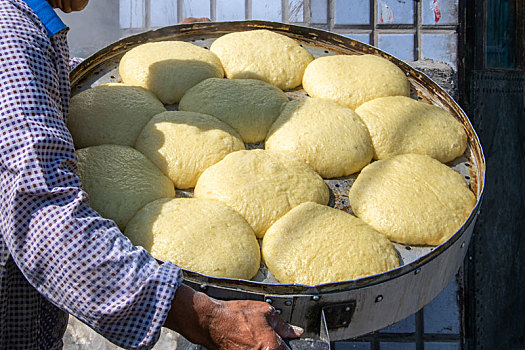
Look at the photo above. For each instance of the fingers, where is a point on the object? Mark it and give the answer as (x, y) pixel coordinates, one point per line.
(66, 6)
(269, 340)
(57, 4)
(281, 345)
(193, 20)
(249, 325)
(282, 328)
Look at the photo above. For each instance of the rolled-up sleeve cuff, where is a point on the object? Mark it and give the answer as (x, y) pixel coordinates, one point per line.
(144, 314)
(170, 279)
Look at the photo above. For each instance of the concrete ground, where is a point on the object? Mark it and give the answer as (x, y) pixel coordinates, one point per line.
(80, 337)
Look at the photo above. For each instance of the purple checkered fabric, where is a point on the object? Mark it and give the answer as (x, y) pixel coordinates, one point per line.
(57, 255)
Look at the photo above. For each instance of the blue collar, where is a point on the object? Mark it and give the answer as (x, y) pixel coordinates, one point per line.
(47, 15)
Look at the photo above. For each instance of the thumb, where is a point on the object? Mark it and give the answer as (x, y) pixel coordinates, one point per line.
(284, 329)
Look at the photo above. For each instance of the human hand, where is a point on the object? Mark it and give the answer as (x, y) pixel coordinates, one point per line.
(68, 6)
(232, 325)
(194, 19)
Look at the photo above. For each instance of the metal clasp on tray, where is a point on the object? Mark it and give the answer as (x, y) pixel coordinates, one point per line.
(332, 317)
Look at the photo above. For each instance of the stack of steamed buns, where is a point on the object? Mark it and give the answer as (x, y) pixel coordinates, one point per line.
(268, 203)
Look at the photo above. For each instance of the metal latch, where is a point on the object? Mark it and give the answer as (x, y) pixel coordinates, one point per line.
(332, 316)
(283, 305)
(338, 315)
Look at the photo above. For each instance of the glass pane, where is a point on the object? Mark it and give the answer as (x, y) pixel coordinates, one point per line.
(319, 10)
(397, 346)
(195, 8)
(163, 13)
(131, 14)
(269, 10)
(295, 11)
(440, 12)
(440, 47)
(364, 38)
(399, 45)
(352, 12)
(442, 346)
(395, 11)
(408, 325)
(230, 10)
(442, 314)
(125, 13)
(499, 36)
(352, 345)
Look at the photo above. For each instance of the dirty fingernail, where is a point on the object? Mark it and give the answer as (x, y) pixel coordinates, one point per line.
(297, 330)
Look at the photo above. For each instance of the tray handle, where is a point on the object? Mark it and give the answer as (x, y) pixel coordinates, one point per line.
(332, 317)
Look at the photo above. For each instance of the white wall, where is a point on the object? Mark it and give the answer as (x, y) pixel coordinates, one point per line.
(93, 28)
(407, 29)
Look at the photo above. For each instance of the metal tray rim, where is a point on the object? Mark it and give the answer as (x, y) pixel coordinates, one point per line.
(345, 44)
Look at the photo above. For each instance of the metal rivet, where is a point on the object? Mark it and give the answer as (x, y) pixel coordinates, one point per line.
(379, 298)
(417, 271)
(348, 308)
(203, 286)
(268, 300)
(278, 311)
(287, 303)
(315, 298)
(463, 245)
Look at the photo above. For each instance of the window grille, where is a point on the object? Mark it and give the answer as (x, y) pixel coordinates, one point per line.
(408, 29)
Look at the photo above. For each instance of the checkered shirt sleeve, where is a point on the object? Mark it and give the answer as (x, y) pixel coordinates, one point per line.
(76, 259)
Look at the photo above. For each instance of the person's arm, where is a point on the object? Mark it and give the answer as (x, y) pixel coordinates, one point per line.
(76, 259)
(237, 324)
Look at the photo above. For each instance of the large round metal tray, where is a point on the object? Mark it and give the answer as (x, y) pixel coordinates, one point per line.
(339, 310)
